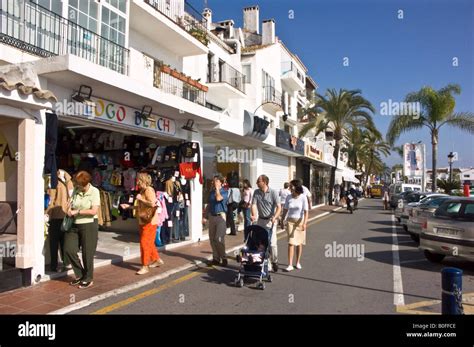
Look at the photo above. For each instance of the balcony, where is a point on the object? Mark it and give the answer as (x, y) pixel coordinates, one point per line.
(225, 83)
(292, 77)
(38, 31)
(175, 25)
(271, 99)
(176, 83)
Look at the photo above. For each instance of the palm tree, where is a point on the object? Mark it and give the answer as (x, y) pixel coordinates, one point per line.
(373, 145)
(437, 110)
(338, 111)
(449, 185)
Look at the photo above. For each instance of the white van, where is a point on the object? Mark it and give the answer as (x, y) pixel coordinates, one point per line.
(397, 188)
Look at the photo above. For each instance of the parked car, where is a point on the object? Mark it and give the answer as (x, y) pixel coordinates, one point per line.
(417, 215)
(449, 231)
(398, 188)
(408, 199)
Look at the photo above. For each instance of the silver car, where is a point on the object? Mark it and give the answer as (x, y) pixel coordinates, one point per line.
(450, 231)
(402, 201)
(417, 215)
(410, 200)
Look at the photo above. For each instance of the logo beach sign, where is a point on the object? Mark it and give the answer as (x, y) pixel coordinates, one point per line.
(111, 112)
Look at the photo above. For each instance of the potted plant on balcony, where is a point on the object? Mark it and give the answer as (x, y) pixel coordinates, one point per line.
(166, 69)
(175, 73)
(200, 35)
(193, 83)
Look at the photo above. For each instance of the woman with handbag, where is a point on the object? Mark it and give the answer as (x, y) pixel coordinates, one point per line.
(56, 211)
(147, 215)
(84, 232)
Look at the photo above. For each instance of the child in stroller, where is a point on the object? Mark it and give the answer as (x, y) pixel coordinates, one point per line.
(254, 256)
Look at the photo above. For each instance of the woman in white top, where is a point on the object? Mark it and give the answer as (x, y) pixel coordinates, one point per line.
(295, 211)
(246, 201)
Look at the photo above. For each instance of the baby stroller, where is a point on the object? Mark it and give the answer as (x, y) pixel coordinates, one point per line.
(253, 257)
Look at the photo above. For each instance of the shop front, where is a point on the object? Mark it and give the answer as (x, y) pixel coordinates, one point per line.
(115, 142)
(22, 233)
(320, 174)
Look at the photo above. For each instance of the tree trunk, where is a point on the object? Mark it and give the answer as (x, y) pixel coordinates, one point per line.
(369, 169)
(434, 147)
(333, 173)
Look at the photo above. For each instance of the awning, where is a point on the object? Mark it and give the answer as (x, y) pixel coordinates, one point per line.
(347, 174)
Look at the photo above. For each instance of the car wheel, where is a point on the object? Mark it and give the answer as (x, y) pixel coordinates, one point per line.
(415, 238)
(434, 257)
(405, 228)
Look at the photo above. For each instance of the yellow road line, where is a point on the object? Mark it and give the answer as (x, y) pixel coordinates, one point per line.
(173, 283)
(150, 292)
(411, 308)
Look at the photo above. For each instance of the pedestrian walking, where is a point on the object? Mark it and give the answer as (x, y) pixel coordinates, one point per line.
(266, 203)
(284, 192)
(295, 212)
(56, 211)
(216, 213)
(232, 205)
(245, 203)
(386, 198)
(84, 233)
(148, 215)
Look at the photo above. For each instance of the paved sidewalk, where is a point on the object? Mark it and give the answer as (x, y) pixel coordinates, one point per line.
(56, 294)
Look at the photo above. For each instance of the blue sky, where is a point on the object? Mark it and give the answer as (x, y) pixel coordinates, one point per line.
(388, 57)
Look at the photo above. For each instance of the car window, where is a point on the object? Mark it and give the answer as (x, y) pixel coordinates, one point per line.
(436, 202)
(416, 189)
(469, 209)
(407, 189)
(448, 209)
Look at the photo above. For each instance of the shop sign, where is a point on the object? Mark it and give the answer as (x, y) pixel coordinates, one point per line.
(111, 112)
(313, 152)
(8, 159)
(286, 141)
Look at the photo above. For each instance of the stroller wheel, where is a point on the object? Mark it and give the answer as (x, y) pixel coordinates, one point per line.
(238, 259)
(269, 278)
(261, 285)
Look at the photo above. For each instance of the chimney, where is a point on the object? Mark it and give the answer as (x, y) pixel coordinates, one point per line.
(251, 19)
(268, 32)
(229, 26)
(207, 14)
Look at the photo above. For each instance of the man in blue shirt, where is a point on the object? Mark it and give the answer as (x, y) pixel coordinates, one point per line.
(216, 213)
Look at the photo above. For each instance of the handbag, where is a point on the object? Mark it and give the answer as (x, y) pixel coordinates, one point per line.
(146, 214)
(66, 225)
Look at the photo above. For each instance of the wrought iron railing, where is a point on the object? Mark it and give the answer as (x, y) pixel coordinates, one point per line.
(226, 73)
(172, 85)
(271, 95)
(183, 14)
(36, 30)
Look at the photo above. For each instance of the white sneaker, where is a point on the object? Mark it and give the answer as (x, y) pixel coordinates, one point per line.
(298, 266)
(290, 268)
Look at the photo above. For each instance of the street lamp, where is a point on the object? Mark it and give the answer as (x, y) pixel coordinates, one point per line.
(450, 161)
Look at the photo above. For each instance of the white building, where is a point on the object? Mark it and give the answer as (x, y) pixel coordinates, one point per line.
(148, 74)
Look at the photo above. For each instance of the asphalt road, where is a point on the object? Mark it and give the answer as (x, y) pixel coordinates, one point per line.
(336, 283)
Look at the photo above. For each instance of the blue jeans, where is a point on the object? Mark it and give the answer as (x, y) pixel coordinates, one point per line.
(247, 220)
(184, 222)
